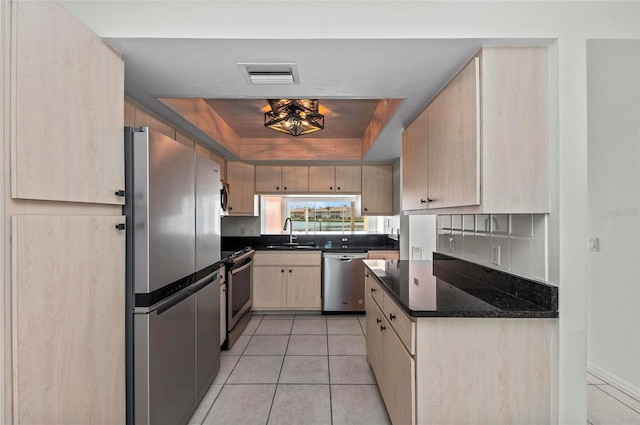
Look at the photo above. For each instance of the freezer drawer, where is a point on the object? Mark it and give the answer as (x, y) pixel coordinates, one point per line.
(343, 282)
(164, 363)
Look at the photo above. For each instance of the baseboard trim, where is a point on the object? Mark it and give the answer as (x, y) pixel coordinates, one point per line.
(615, 381)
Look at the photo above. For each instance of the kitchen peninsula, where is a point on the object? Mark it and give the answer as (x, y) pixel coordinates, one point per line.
(451, 342)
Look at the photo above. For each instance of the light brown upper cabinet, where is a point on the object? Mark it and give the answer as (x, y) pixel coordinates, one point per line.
(348, 178)
(377, 190)
(143, 118)
(415, 176)
(67, 125)
(241, 179)
(486, 141)
(335, 178)
(222, 163)
(282, 179)
(453, 135)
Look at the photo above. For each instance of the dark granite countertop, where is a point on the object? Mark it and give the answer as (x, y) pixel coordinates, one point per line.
(450, 287)
(325, 243)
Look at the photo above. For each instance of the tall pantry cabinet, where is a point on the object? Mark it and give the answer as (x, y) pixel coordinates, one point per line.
(64, 253)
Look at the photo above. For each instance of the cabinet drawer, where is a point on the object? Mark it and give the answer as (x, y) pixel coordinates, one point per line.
(401, 323)
(374, 289)
(287, 258)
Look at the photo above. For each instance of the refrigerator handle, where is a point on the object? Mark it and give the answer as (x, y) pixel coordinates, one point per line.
(177, 300)
(206, 281)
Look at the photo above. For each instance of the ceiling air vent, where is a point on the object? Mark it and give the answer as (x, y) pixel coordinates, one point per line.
(270, 73)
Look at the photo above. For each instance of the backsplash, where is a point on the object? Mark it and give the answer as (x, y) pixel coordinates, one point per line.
(518, 242)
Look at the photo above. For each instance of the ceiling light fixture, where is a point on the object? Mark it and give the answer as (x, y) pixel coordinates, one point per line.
(294, 116)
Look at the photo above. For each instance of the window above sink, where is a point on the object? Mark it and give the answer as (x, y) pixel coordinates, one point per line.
(316, 214)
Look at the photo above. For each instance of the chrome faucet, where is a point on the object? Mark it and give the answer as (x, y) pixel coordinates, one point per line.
(290, 228)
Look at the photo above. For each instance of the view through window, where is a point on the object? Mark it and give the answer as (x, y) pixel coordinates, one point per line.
(317, 214)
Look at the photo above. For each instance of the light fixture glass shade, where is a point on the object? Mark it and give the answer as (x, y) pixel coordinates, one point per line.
(294, 116)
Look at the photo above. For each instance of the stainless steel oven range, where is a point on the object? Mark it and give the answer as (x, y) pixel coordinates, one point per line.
(239, 273)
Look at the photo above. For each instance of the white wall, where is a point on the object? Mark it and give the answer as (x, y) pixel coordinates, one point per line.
(613, 96)
(571, 23)
(422, 237)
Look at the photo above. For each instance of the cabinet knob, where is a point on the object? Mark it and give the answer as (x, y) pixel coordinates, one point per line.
(366, 209)
(289, 270)
(338, 187)
(378, 320)
(366, 275)
(392, 316)
(224, 289)
(120, 193)
(373, 289)
(423, 201)
(121, 226)
(285, 188)
(277, 187)
(430, 199)
(330, 187)
(382, 328)
(230, 208)
(282, 270)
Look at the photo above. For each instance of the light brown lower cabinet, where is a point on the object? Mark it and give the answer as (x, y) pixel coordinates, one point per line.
(461, 370)
(393, 366)
(69, 295)
(286, 281)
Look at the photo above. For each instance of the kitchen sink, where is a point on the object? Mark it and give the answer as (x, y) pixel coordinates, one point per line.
(292, 247)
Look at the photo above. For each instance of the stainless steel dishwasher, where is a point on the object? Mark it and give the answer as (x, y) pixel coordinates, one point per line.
(343, 282)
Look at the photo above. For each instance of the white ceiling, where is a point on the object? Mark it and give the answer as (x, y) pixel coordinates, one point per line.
(412, 69)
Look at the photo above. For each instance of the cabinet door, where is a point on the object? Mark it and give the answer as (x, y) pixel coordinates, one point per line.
(222, 163)
(67, 109)
(69, 291)
(377, 190)
(322, 178)
(373, 320)
(241, 179)
(303, 287)
(295, 178)
(453, 128)
(399, 380)
(268, 178)
(269, 287)
(415, 176)
(348, 178)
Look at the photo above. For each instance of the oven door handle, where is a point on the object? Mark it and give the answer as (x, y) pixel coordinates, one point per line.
(239, 269)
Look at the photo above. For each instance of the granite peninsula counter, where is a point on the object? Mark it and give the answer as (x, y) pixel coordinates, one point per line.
(449, 287)
(452, 342)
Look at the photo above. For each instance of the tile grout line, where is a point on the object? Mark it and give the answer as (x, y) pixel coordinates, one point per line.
(329, 374)
(275, 391)
(619, 401)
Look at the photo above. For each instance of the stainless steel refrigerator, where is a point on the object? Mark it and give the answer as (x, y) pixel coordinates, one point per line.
(173, 261)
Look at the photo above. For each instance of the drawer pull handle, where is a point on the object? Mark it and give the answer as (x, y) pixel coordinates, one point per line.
(378, 320)
(392, 316)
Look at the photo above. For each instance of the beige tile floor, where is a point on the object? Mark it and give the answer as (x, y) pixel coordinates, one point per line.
(608, 405)
(312, 369)
(295, 369)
